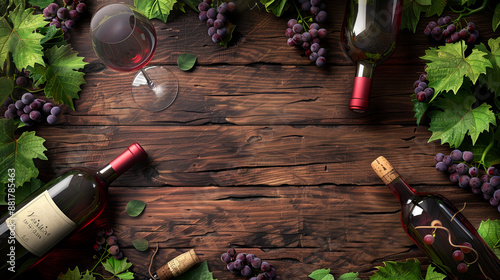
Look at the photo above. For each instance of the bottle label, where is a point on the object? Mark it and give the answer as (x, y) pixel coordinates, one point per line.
(40, 225)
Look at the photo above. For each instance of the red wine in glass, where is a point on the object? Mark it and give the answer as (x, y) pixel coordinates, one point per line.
(125, 40)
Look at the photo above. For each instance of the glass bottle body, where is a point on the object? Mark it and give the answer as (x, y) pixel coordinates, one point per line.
(369, 34)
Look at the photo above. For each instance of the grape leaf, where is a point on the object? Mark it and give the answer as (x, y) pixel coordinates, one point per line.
(19, 153)
(117, 267)
(436, 8)
(433, 275)
(319, 274)
(491, 76)
(199, 272)
(6, 87)
(349, 276)
(40, 3)
(496, 18)
(275, 6)
(411, 14)
(490, 232)
(140, 244)
(70, 274)
(186, 61)
(135, 207)
(88, 276)
(458, 119)
(419, 108)
(159, 9)
(61, 74)
(409, 270)
(18, 37)
(448, 65)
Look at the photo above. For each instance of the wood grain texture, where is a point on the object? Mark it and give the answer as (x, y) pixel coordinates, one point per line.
(259, 151)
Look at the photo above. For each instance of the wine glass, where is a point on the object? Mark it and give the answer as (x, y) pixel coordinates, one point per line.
(125, 40)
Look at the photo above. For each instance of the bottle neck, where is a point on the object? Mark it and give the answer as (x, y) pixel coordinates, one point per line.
(403, 192)
(122, 163)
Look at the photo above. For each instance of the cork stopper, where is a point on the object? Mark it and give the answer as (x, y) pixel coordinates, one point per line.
(178, 265)
(384, 170)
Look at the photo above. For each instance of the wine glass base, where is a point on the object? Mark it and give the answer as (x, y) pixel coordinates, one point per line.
(159, 95)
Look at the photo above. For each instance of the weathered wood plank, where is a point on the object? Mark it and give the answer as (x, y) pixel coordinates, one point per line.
(248, 155)
(256, 95)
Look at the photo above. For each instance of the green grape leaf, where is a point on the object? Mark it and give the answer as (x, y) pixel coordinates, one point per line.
(319, 274)
(490, 232)
(18, 37)
(411, 14)
(199, 272)
(140, 244)
(275, 6)
(419, 108)
(53, 36)
(159, 9)
(458, 119)
(61, 76)
(230, 29)
(349, 276)
(70, 274)
(40, 3)
(409, 270)
(186, 61)
(115, 266)
(126, 275)
(19, 153)
(496, 18)
(88, 276)
(448, 65)
(135, 207)
(491, 77)
(433, 275)
(436, 8)
(6, 88)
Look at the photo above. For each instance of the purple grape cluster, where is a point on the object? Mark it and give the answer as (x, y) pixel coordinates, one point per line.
(422, 91)
(306, 34)
(107, 241)
(446, 30)
(31, 110)
(248, 265)
(65, 17)
(216, 19)
(461, 170)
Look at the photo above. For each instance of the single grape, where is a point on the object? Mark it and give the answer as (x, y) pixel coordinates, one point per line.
(203, 6)
(298, 28)
(250, 257)
(452, 168)
(475, 183)
(81, 8)
(439, 157)
(467, 248)
(440, 21)
(246, 271)
(51, 119)
(467, 156)
(108, 231)
(495, 181)
(27, 109)
(100, 240)
(429, 239)
(494, 202)
(429, 93)
(111, 240)
(441, 167)
(491, 170)
(25, 118)
(451, 28)
(454, 177)
(462, 268)
(35, 105)
(471, 26)
(114, 250)
(322, 33)
(322, 52)
(256, 263)
(231, 6)
(62, 13)
(265, 266)
(456, 155)
(471, 39)
(222, 8)
(421, 98)
(118, 256)
(52, 8)
(306, 37)
(496, 195)
(225, 257)
(231, 252)
(321, 16)
(321, 61)
(222, 32)
(97, 247)
(486, 188)
(291, 23)
(313, 56)
(27, 98)
(35, 115)
(462, 168)
(271, 273)
(463, 181)
(238, 264)
(463, 34)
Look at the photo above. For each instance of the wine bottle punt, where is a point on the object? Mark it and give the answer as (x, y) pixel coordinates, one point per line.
(441, 231)
(369, 35)
(63, 206)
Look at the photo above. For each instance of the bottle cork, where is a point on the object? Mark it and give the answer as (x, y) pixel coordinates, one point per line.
(178, 265)
(384, 170)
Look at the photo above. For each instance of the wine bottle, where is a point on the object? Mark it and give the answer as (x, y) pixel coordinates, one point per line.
(369, 35)
(64, 205)
(441, 231)
(177, 266)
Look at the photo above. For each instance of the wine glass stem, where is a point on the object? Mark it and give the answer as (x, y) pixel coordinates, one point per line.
(150, 82)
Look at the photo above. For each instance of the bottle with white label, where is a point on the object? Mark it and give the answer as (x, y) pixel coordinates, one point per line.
(59, 208)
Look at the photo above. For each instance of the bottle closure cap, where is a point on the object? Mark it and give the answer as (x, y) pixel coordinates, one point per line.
(360, 94)
(127, 159)
(384, 170)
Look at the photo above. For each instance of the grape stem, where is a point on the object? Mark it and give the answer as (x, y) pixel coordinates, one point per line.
(472, 11)
(486, 150)
(301, 18)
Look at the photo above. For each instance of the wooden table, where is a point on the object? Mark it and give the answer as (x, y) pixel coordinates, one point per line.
(259, 152)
